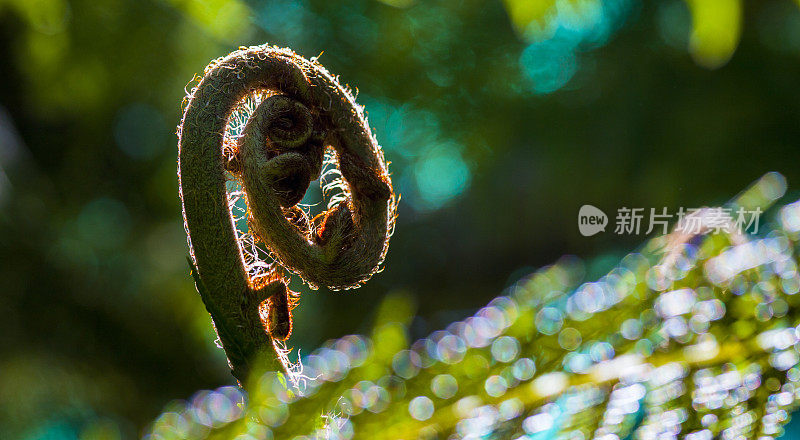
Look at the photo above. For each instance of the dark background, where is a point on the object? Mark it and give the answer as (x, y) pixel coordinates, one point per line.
(498, 130)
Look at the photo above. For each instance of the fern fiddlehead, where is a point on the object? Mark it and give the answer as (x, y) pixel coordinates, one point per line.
(279, 153)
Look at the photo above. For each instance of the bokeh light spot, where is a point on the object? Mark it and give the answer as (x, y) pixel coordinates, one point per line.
(444, 386)
(421, 408)
(441, 174)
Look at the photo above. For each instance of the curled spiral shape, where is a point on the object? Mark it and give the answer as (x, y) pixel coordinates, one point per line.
(279, 153)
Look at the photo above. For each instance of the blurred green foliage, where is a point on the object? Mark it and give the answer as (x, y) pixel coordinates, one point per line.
(500, 118)
(694, 336)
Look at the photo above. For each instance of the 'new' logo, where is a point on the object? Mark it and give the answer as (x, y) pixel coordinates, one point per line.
(591, 220)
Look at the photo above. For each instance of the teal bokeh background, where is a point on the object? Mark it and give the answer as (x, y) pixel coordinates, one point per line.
(499, 124)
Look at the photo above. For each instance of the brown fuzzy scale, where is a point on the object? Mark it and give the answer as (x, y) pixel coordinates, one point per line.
(278, 319)
(280, 152)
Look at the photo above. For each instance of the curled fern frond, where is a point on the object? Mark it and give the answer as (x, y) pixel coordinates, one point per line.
(302, 112)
